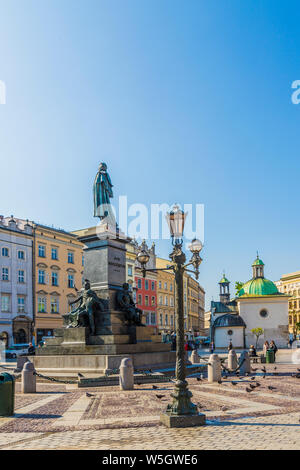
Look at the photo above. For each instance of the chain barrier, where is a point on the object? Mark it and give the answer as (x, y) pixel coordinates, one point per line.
(234, 370)
(51, 379)
(6, 368)
(113, 372)
(16, 375)
(223, 367)
(145, 372)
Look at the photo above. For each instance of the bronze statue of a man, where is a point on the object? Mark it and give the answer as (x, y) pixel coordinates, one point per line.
(126, 304)
(102, 193)
(88, 306)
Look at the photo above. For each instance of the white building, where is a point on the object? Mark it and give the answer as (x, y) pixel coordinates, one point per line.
(16, 294)
(259, 304)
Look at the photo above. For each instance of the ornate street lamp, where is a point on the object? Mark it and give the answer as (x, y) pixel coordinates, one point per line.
(181, 412)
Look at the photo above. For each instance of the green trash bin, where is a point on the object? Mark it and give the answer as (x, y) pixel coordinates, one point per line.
(7, 394)
(270, 356)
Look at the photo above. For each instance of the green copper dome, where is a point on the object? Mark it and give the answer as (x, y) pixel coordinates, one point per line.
(224, 280)
(258, 286)
(258, 262)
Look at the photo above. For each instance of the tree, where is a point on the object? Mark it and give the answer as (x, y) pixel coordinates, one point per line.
(238, 286)
(257, 332)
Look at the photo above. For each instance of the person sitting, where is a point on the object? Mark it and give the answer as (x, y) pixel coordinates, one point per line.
(252, 352)
(31, 350)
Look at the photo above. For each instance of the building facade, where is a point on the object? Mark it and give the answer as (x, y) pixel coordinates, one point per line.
(201, 310)
(58, 270)
(193, 319)
(130, 267)
(290, 284)
(165, 297)
(16, 289)
(258, 304)
(146, 288)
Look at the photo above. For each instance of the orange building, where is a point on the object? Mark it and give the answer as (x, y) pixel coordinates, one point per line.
(58, 259)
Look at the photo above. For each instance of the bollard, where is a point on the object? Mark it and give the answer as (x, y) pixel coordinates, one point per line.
(126, 374)
(245, 361)
(21, 360)
(232, 360)
(195, 359)
(214, 371)
(28, 380)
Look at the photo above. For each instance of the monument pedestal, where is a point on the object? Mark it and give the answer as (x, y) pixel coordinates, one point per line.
(74, 350)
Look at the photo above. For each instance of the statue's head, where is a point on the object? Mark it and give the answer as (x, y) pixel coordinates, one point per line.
(87, 284)
(103, 166)
(126, 286)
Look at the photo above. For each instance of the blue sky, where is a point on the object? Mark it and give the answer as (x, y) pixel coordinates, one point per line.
(185, 101)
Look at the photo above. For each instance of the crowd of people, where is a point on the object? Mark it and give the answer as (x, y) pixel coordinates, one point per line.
(252, 350)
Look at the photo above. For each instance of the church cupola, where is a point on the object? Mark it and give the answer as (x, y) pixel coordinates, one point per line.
(258, 268)
(224, 290)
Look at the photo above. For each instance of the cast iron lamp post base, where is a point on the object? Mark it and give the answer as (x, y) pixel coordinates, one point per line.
(182, 413)
(182, 421)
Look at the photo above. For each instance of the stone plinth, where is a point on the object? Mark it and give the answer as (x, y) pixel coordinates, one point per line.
(182, 421)
(73, 350)
(104, 261)
(98, 364)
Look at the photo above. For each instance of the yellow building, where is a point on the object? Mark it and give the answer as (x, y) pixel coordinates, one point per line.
(130, 266)
(195, 306)
(290, 284)
(58, 259)
(165, 297)
(194, 300)
(201, 309)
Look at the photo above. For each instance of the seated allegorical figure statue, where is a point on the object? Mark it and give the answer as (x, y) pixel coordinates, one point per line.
(83, 315)
(127, 305)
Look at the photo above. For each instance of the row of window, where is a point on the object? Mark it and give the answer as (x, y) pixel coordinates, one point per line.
(5, 275)
(42, 304)
(54, 278)
(140, 300)
(6, 303)
(150, 318)
(295, 293)
(165, 285)
(166, 300)
(5, 253)
(139, 284)
(167, 319)
(54, 254)
(42, 253)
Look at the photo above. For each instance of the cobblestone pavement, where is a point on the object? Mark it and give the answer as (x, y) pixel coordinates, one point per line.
(64, 417)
